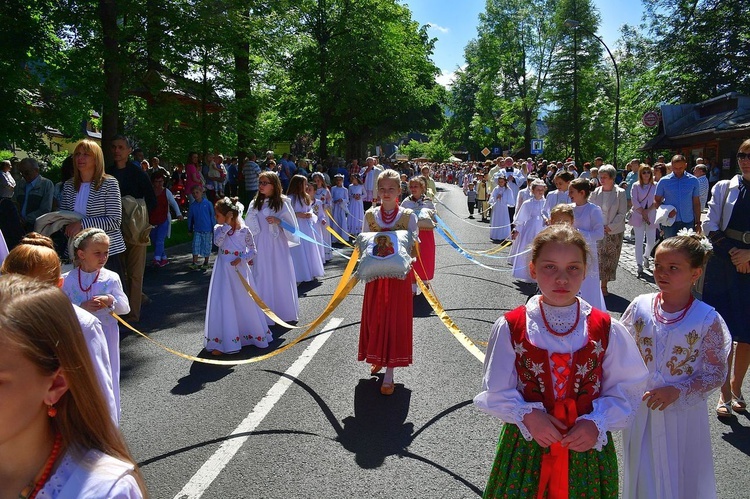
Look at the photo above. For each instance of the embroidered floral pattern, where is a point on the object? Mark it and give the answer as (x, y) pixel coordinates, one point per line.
(689, 355)
(586, 377)
(531, 373)
(645, 343)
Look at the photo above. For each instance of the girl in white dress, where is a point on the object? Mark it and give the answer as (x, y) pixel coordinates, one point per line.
(684, 343)
(356, 205)
(58, 439)
(528, 223)
(501, 198)
(233, 320)
(559, 196)
(340, 200)
(305, 256)
(98, 291)
(590, 222)
(323, 195)
(324, 252)
(273, 268)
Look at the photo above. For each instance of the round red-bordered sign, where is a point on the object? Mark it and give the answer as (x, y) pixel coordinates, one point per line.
(650, 118)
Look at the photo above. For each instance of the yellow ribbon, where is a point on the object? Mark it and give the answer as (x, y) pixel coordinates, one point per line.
(479, 253)
(337, 225)
(336, 234)
(445, 318)
(345, 285)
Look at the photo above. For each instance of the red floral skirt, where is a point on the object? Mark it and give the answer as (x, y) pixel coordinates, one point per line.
(385, 332)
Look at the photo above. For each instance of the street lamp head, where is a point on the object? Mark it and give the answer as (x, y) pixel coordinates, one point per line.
(572, 23)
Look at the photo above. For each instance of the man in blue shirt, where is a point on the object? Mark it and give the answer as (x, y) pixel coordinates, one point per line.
(681, 190)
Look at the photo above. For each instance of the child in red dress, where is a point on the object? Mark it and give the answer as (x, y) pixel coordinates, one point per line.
(385, 335)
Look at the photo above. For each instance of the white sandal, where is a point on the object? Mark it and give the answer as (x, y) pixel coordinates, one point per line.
(738, 403)
(724, 409)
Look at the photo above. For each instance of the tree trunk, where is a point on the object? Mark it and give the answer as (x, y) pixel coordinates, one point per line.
(113, 74)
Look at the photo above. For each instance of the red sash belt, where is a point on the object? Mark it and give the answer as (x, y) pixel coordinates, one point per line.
(554, 475)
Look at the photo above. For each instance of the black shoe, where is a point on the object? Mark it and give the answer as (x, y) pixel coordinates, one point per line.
(471, 217)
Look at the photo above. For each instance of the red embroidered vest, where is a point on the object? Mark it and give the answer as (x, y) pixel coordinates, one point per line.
(533, 366)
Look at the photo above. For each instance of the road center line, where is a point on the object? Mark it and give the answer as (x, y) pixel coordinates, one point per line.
(203, 478)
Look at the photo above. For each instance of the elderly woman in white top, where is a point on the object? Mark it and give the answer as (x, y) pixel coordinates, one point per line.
(613, 202)
(95, 196)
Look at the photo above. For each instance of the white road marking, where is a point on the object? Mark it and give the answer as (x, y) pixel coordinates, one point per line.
(203, 478)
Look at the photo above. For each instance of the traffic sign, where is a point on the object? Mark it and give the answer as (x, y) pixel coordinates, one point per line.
(537, 146)
(650, 118)
(486, 152)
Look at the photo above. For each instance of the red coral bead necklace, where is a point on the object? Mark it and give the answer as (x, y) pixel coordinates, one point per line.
(564, 333)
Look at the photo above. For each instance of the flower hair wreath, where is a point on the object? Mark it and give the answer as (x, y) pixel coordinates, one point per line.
(85, 234)
(705, 243)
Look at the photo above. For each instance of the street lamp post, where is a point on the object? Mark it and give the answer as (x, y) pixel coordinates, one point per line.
(571, 23)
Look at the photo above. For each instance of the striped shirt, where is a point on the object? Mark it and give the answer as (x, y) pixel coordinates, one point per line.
(103, 210)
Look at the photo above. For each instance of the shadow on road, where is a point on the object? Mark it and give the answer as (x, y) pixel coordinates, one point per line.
(378, 428)
(740, 435)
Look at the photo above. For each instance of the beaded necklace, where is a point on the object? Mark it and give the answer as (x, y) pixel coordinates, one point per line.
(549, 328)
(80, 284)
(659, 317)
(388, 218)
(47, 470)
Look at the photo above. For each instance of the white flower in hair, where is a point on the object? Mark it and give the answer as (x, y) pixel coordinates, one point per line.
(705, 243)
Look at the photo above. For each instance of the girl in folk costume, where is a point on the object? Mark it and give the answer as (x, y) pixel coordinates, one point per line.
(233, 320)
(559, 196)
(385, 334)
(590, 222)
(98, 291)
(685, 344)
(305, 256)
(425, 211)
(323, 195)
(324, 252)
(340, 200)
(273, 268)
(561, 375)
(528, 223)
(500, 199)
(356, 205)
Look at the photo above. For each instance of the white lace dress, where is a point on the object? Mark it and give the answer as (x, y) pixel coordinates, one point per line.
(590, 222)
(529, 222)
(623, 371)
(667, 454)
(93, 475)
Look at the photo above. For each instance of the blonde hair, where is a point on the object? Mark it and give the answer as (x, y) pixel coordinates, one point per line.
(562, 210)
(389, 175)
(39, 321)
(92, 147)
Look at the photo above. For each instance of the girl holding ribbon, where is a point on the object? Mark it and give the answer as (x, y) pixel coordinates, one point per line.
(233, 320)
(273, 269)
(425, 211)
(561, 375)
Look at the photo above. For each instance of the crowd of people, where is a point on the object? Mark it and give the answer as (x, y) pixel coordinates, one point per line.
(559, 370)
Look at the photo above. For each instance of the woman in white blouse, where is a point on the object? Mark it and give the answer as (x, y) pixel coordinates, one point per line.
(614, 204)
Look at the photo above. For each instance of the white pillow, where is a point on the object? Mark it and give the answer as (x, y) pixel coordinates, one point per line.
(384, 255)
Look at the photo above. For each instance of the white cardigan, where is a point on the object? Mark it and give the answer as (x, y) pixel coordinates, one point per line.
(716, 204)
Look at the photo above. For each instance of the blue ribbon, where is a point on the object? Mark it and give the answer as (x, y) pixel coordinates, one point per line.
(285, 225)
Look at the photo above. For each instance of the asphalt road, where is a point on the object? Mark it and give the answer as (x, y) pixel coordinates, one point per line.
(310, 422)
